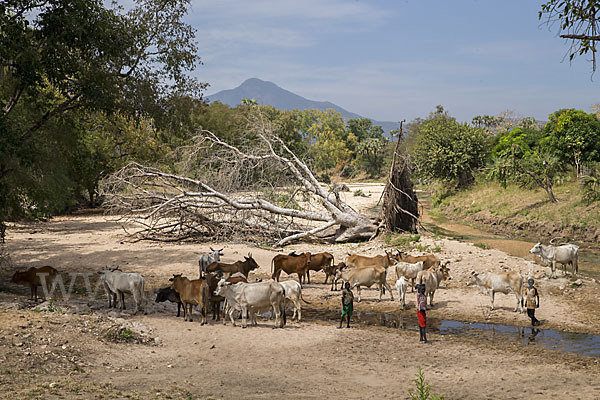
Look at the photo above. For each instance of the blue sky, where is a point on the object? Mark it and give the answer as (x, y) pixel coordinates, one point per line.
(390, 60)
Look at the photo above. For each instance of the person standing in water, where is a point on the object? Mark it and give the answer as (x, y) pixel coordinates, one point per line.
(532, 301)
(422, 312)
(347, 304)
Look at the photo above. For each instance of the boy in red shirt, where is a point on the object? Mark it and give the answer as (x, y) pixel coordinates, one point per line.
(422, 312)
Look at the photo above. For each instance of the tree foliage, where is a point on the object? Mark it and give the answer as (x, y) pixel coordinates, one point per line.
(577, 21)
(448, 150)
(575, 137)
(525, 156)
(66, 63)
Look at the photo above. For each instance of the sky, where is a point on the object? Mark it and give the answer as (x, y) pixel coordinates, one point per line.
(396, 59)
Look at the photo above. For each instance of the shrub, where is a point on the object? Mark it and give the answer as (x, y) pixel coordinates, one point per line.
(423, 391)
(591, 189)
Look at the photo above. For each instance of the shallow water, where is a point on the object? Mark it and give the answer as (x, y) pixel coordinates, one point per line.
(589, 261)
(578, 343)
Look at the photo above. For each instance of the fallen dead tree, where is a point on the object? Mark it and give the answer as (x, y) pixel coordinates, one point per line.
(257, 189)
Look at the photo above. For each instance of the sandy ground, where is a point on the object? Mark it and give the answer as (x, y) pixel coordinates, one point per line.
(69, 352)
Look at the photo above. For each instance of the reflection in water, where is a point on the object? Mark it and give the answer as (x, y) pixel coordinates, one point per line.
(578, 343)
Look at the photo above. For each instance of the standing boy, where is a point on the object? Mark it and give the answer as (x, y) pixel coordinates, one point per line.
(532, 301)
(347, 304)
(422, 312)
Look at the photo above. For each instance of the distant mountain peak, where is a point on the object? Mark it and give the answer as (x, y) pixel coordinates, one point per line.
(268, 93)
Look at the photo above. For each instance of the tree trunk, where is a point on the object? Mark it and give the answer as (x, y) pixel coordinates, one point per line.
(550, 194)
(400, 204)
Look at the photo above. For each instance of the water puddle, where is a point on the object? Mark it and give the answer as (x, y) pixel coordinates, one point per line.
(589, 260)
(579, 343)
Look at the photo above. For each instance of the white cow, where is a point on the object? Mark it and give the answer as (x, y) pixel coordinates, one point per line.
(499, 282)
(432, 279)
(365, 276)
(293, 293)
(117, 283)
(208, 258)
(564, 254)
(401, 288)
(409, 271)
(253, 298)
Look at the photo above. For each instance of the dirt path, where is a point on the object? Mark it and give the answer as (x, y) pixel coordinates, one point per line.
(311, 359)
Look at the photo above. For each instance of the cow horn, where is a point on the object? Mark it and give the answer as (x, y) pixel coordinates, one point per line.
(211, 249)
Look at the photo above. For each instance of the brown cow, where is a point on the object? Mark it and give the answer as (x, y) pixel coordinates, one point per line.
(429, 260)
(355, 260)
(212, 280)
(236, 278)
(318, 262)
(192, 293)
(296, 264)
(331, 270)
(243, 267)
(34, 277)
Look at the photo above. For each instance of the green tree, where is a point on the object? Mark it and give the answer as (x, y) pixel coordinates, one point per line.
(366, 144)
(577, 21)
(575, 135)
(326, 130)
(63, 59)
(524, 156)
(448, 150)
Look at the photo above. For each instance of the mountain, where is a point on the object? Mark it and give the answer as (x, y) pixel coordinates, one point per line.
(268, 93)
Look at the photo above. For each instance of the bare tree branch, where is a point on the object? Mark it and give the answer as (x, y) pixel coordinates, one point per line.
(260, 190)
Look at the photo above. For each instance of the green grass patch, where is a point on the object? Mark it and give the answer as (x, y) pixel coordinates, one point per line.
(402, 240)
(525, 204)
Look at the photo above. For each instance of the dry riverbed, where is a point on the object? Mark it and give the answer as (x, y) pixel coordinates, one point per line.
(74, 348)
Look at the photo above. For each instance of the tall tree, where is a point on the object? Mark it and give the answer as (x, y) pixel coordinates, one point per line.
(448, 150)
(60, 57)
(575, 136)
(524, 156)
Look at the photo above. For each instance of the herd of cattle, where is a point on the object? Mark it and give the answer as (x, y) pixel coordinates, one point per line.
(225, 288)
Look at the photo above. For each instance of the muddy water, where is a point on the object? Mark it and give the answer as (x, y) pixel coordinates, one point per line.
(589, 260)
(578, 343)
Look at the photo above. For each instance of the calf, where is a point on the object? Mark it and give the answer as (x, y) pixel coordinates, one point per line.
(117, 283)
(401, 289)
(294, 264)
(365, 276)
(171, 295)
(432, 279)
(499, 282)
(564, 254)
(192, 293)
(331, 272)
(409, 271)
(34, 277)
(208, 258)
